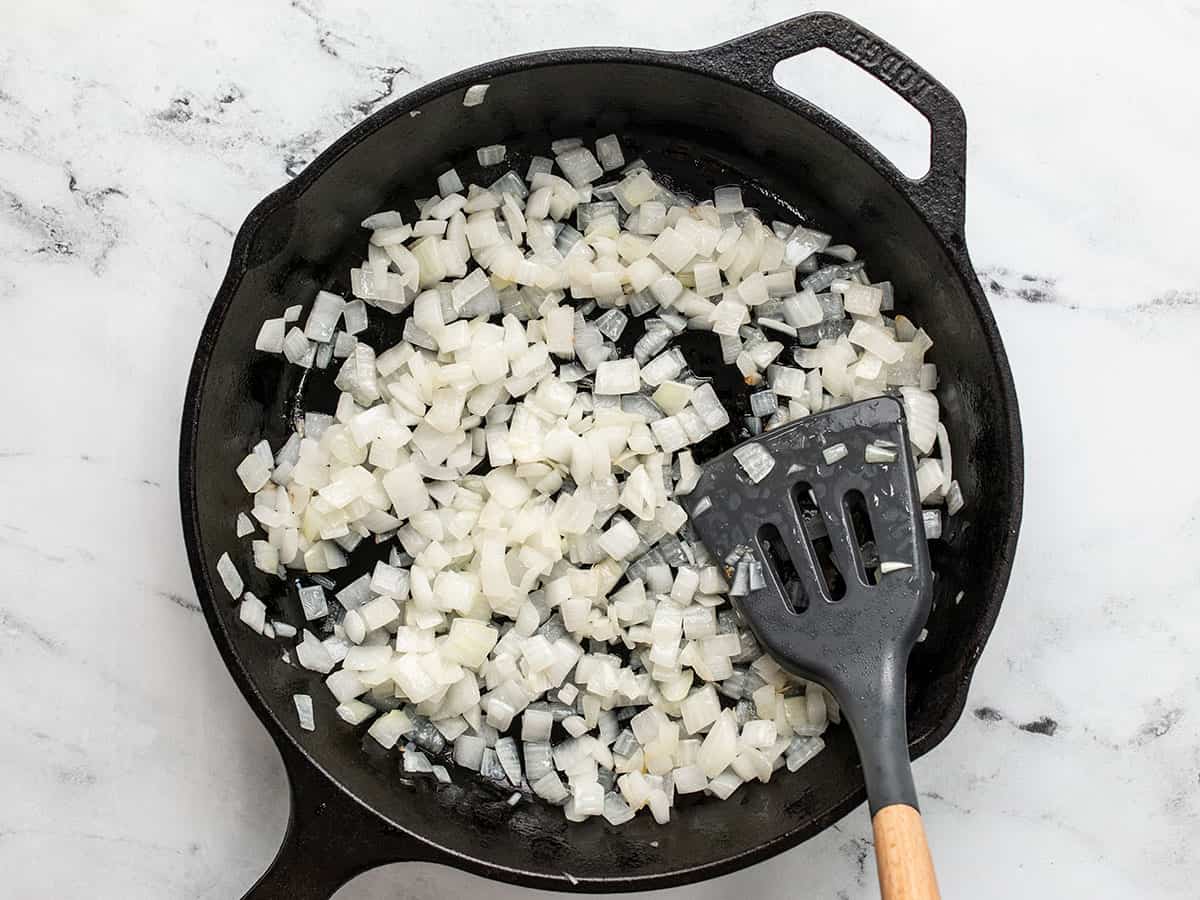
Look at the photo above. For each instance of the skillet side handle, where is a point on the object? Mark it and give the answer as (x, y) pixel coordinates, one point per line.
(902, 855)
(330, 839)
(941, 193)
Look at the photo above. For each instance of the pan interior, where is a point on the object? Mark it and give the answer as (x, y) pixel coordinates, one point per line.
(698, 132)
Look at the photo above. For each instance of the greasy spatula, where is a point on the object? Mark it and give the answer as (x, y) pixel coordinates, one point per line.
(819, 525)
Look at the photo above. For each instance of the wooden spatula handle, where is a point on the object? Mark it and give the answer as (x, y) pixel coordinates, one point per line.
(902, 855)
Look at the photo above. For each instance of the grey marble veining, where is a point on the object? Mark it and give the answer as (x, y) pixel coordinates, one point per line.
(135, 137)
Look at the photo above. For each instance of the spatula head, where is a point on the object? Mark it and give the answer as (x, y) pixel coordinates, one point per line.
(838, 622)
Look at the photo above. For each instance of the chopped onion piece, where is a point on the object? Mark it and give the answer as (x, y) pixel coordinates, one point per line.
(608, 150)
(878, 453)
(283, 629)
(954, 499)
(728, 199)
(474, 95)
(355, 712)
(834, 453)
(304, 711)
(230, 576)
(270, 336)
(943, 439)
(550, 788)
(323, 317)
(618, 377)
(921, 411)
(755, 460)
(253, 613)
(803, 751)
(929, 478)
(861, 299)
(932, 520)
(312, 601)
(709, 407)
(763, 403)
(579, 166)
(491, 155)
(619, 540)
(390, 727)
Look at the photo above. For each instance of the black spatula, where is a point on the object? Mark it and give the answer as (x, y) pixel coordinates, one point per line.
(827, 552)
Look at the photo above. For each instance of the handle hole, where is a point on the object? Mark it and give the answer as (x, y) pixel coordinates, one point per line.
(861, 102)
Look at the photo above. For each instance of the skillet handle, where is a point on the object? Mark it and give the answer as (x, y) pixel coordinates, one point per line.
(330, 839)
(902, 855)
(752, 58)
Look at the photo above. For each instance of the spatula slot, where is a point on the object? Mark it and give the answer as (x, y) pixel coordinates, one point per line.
(818, 536)
(859, 519)
(780, 561)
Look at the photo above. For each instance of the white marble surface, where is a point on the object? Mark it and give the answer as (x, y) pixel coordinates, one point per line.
(134, 137)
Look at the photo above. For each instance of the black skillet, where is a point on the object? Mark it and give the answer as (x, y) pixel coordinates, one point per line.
(701, 118)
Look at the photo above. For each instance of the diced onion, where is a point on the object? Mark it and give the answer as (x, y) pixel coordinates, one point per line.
(253, 613)
(230, 576)
(834, 453)
(491, 155)
(474, 95)
(304, 711)
(878, 453)
(954, 499)
(755, 460)
(515, 462)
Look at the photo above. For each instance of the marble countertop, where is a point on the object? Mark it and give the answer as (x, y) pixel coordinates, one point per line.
(135, 136)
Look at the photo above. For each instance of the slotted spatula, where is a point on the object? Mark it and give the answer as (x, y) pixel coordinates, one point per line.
(833, 598)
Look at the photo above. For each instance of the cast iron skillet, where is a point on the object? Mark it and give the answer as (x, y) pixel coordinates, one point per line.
(702, 119)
